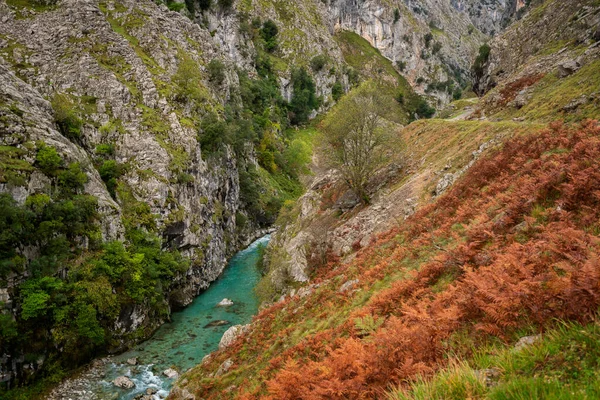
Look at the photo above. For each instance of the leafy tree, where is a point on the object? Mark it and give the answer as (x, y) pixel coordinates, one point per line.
(48, 160)
(66, 117)
(358, 138)
(216, 71)
(304, 99)
(269, 32)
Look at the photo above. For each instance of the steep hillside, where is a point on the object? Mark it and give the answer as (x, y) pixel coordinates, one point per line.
(483, 234)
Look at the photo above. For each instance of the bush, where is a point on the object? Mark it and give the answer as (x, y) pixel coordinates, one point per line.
(73, 178)
(110, 171)
(269, 33)
(48, 160)
(482, 58)
(216, 71)
(396, 15)
(318, 62)
(65, 116)
(225, 4)
(304, 98)
(203, 4)
(337, 91)
(423, 109)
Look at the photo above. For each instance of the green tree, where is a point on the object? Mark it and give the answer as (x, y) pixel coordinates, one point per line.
(304, 99)
(269, 32)
(48, 160)
(66, 116)
(359, 141)
(216, 71)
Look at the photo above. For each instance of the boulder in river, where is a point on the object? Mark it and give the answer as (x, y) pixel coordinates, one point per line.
(219, 322)
(225, 303)
(132, 361)
(124, 382)
(170, 373)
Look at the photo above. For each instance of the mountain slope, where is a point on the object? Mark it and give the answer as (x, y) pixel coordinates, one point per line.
(487, 234)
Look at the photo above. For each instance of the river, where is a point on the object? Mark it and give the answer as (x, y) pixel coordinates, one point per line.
(182, 343)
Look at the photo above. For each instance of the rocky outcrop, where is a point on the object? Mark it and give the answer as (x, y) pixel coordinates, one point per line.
(232, 334)
(541, 34)
(430, 42)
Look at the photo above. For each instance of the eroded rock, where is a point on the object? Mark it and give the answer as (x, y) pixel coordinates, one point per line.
(124, 382)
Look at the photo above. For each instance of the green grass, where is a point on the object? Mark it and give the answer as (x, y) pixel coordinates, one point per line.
(564, 364)
(552, 93)
(34, 5)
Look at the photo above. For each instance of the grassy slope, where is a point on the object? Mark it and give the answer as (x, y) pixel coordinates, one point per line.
(509, 249)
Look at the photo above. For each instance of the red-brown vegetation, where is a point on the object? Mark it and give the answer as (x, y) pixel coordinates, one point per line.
(527, 255)
(514, 244)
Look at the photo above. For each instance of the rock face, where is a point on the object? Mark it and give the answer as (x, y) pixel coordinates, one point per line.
(537, 32)
(118, 63)
(170, 373)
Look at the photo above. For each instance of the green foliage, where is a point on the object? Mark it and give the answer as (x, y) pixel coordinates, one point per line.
(66, 117)
(337, 91)
(48, 160)
(110, 171)
(174, 6)
(422, 109)
(396, 15)
(269, 32)
(105, 149)
(72, 178)
(358, 138)
(203, 4)
(317, 63)
(482, 58)
(225, 4)
(188, 81)
(216, 71)
(304, 99)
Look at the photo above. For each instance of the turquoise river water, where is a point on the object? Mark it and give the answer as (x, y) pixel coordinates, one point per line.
(182, 343)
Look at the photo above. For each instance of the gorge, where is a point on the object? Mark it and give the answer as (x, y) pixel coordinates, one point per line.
(144, 143)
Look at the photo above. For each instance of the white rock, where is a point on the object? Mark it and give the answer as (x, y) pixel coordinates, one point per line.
(124, 382)
(132, 361)
(348, 285)
(225, 303)
(170, 373)
(231, 335)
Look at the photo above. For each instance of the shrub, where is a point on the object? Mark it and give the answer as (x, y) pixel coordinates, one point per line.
(482, 58)
(65, 116)
(216, 71)
(396, 15)
(337, 91)
(423, 109)
(318, 62)
(225, 4)
(48, 160)
(304, 98)
(269, 33)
